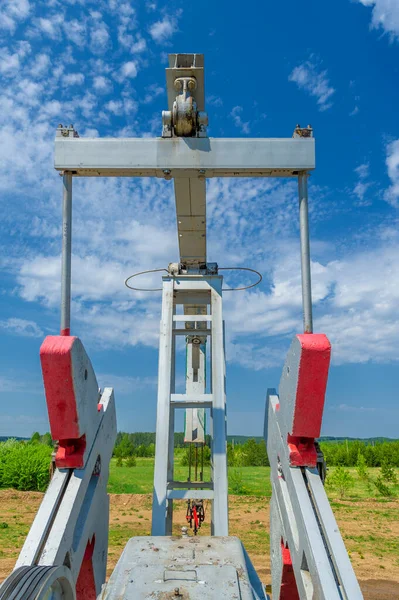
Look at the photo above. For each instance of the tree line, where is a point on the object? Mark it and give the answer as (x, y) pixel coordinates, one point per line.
(252, 451)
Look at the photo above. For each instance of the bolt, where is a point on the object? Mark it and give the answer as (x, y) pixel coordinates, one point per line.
(177, 592)
(167, 174)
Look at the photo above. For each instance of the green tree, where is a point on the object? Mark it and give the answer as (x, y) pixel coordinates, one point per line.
(36, 438)
(236, 481)
(388, 472)
(361, 467)
(131, 461)
(125, 447)
(382, 487)
(341, 480)
(47, 439)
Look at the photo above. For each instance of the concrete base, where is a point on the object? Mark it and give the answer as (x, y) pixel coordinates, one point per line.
(185, 568)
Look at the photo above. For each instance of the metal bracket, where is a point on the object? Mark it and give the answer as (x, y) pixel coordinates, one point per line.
(185, 116)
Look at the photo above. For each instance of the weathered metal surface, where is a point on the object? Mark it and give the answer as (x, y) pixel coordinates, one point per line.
(72, 398)
(304, 535)
(71, 526)
(160, 568)
(39, 583)
(184, 157)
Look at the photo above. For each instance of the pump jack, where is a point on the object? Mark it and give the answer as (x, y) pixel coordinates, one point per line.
(65, 552)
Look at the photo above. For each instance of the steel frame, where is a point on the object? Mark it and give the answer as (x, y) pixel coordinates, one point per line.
(178, 291)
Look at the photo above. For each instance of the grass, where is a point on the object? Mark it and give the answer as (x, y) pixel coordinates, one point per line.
(140, 479)
(255, 481)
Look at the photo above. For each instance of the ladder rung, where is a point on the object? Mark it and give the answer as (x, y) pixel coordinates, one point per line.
(197, 332)
(193, 485)
(191, 400)
(195, 318)
(190, 494)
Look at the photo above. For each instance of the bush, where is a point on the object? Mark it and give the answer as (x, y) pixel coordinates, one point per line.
(236, 481)
(131, 461)
(24, 467)
(382, 487)
(388, 472)
(119, 462)
(361, 467)
(341, 480)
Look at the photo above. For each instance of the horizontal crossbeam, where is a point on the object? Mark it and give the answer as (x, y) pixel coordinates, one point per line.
(190, 494)
(184, 157)
(191, 485)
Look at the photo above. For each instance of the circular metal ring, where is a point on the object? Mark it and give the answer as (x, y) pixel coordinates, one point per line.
(247, 287)
(39, 583)
(144, 273)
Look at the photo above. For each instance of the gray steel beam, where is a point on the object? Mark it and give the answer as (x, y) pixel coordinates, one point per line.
(165, 381)
(189, 157)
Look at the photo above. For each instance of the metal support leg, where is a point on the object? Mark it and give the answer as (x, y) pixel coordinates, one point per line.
(220, 517)
(305, 252)
(159, 503)
(66, 254)
(171, 452)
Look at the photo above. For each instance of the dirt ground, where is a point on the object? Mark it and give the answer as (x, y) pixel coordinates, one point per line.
(370, 530)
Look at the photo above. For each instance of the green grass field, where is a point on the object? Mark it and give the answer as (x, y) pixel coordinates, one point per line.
(253, 481)
(139, 479)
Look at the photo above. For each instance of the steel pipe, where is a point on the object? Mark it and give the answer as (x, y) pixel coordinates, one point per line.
(305, 252)
(66, 254)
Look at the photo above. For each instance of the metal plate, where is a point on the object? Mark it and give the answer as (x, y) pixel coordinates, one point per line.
(143, 157)
(215, 568)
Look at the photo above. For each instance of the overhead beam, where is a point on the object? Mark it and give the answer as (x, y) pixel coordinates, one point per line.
(184, 157)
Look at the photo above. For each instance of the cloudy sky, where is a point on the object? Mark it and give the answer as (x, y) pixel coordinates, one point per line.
(100, 65)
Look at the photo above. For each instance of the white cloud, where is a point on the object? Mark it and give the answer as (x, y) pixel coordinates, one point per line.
(235, 114)
(9, 63)
(152, 92)
(362, 185)
(129, 69)
(360, 191)
(392, 162)
(50, 27)
(21, 327)
(385, 15)
(161, 31)
(99, 38)
(76, 32)
(41, 65)
(73, 79)
(308, 77)
(102, 84)
(126, 385)
(120, 107)
(363, 170)
(139, 46)
(214, 100)
(351, 408)
(13, 12)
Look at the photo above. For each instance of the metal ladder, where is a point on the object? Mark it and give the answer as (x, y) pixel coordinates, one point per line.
(203, 290)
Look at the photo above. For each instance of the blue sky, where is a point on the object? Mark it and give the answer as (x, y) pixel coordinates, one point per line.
(101, 66)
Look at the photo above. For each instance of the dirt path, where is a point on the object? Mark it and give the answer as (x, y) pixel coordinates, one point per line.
(370, 530)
